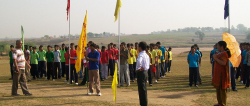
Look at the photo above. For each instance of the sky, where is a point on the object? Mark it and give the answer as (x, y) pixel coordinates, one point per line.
(49, 17)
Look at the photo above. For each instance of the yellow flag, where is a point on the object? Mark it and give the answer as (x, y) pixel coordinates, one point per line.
(115, 82)
(117, 9)
(81, 45)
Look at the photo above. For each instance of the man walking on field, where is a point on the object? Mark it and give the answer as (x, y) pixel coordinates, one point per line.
(19, 70)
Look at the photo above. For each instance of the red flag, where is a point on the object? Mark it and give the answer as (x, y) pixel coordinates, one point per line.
(68, 6)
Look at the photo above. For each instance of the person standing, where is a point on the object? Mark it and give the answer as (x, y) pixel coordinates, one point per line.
(158, 67)
(19, 70)
(42, 62)
(154, 60)
(50, 62)
(221, 80)
(66, 64)
(73, 57)
(111, 58)
(116, 57)
(93, 58)
(130, 62)
(162, 59)
(11, 61)
(104, 64)
(211, 57)
(149, 70)
(193, 61)
(233, 76)
(135, 56)
(124, 65)
(34, 64)
(57, 59)
(247, 71)
(100, 62)
(27, 58)
(142, 66)
(245, 63)
(170, 59)
(199, 66)
(62, 51)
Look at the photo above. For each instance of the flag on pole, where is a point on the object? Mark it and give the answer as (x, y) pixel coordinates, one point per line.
(115, 82)
(226, 9)
(81, 45)
(22, 36)
(68, 6)
(117, 9)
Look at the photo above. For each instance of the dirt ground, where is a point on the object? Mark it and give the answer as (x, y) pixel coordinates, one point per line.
(155, 97)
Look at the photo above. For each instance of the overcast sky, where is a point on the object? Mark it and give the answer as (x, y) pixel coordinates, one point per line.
(41, 17)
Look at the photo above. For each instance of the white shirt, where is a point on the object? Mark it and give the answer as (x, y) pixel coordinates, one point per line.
(143, 61)
(19, 56)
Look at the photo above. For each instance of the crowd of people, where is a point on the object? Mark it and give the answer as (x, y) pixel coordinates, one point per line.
(140, 62)
(54, 64)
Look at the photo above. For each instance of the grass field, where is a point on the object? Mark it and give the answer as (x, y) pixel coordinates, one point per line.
(172, 90)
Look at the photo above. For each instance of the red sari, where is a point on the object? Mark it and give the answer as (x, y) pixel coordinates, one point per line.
(221, 73)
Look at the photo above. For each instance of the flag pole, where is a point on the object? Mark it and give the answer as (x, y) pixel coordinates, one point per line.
(119, 61)
(69, 49)
(229, 32)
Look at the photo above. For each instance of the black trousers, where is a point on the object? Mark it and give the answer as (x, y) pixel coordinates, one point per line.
(34, 70)
(247, 72)
(75, 75)
(131, 71)
(233, 76)
(193, 75)
(100, 72)
(111, 67)
(67, 72)
(57, 67)
(150, 77)
(11, 70)
(42, 68)
(169, 65)
(63, 68)
(134, 68)
(142, 87)
(238, 73)
(50, 70)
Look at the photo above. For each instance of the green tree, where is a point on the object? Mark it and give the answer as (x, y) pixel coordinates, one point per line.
(200, 34)
(241, 28)
(90, 34)
(193, 40)
(46, 36)
(248, 35)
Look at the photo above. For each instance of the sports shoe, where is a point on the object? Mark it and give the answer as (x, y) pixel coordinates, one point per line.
(65, 80)
(197, 86)
(136, 79)
(150, 84)
(68, 83)
(90, 93)
(99, 94)
(76, 83)
(155, 81)
(53, 80)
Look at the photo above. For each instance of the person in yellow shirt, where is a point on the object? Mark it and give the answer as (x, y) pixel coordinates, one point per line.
(135, 56)
(166, 60)
(170, 59)
(130, 62)
(149, 70)
(158, 67)
(154, 60)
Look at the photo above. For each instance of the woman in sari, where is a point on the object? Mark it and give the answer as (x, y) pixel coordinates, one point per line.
(220, 79)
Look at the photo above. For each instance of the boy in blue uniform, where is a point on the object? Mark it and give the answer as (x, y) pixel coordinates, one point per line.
(193, 60)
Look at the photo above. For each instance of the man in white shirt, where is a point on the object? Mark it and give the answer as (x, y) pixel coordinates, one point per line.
(19, 70)
(142, 67)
